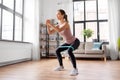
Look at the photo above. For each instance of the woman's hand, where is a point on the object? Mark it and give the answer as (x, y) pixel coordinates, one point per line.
(47, 22)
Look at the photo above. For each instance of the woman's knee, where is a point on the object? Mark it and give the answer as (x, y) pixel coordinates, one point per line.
(58, 50)
(70, 50)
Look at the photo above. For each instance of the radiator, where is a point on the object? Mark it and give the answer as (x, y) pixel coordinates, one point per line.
(13, 52)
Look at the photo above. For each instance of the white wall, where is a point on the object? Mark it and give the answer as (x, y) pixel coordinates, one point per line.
(40, 10)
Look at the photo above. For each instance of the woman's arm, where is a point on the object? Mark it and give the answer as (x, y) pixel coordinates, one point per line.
(59, 29)
(49, 29)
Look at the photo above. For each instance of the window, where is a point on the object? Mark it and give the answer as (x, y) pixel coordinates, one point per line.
(103, 31)
(18, 28)
(11, 20)
(9, 3)
(102, 10)
(79, 27)
(7, 25)
(91, 14)
(90, 10)
(79, 11)
(93, 27)
(19, 6)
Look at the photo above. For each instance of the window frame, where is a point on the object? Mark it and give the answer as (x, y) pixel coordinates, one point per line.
(85, 21)
(13, 11)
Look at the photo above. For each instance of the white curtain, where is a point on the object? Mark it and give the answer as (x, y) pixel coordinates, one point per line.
(114, 24)
(31, 25)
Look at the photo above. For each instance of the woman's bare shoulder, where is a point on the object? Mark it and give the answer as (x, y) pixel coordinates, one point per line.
(67, 25)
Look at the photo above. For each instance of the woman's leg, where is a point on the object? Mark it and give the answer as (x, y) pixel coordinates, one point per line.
(72, 57)
(74, 45)
(58, 53)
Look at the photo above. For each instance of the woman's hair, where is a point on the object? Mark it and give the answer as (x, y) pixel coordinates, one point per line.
(63, 13)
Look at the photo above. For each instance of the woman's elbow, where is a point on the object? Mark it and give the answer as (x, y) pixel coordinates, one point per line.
(59, 30)
(49, 33)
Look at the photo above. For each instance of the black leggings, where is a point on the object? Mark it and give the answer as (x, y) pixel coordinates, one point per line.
(63, 47)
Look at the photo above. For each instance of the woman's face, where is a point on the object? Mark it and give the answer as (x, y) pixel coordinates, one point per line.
(59, 15)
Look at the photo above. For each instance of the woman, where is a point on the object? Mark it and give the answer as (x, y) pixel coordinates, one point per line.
(71, 43)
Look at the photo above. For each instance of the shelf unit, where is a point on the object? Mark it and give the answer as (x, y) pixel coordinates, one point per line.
(43, 41)
(48, 43)
(53, 44)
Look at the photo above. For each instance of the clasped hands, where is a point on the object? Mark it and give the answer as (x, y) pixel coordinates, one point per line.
(48, 23)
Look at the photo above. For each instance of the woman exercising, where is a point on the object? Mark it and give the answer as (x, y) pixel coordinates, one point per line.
(71, 42)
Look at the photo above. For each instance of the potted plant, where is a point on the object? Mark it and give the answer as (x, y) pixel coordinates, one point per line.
(87, 33)
(118, 44)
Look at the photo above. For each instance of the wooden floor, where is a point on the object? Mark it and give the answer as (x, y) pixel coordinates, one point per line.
(43, 70)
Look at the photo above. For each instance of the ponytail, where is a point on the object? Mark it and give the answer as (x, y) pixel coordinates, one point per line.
(65, 17)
